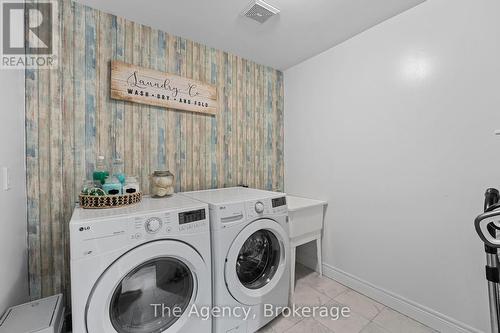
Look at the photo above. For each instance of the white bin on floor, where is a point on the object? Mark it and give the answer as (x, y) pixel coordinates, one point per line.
(43, 316)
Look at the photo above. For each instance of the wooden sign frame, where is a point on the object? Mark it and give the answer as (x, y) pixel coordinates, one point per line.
(147, 86)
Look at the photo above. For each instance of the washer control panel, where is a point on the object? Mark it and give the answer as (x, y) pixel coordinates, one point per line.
(97, 236)
(259, 207)
(192, 216)
(192, 220)
(169, 223)
(153, 225)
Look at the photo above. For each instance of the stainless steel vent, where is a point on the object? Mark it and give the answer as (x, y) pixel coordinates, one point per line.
(260, 11)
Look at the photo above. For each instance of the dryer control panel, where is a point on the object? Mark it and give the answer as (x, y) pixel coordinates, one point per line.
(259, 208)
(227, 215)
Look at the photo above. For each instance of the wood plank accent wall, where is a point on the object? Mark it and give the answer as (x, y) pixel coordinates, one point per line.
(70, 120)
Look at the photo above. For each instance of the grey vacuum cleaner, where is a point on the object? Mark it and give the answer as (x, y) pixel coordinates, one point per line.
(488, 227)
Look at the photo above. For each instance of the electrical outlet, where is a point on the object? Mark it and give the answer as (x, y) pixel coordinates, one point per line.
(5, 178)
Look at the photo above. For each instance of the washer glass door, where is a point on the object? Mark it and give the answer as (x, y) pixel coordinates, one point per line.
(258, 259)
(149, 289)
(138, 301)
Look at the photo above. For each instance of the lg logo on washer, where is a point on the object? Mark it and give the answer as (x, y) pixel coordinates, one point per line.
(84, 228)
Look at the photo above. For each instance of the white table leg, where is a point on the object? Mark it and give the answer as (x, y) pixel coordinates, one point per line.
(320, 257)
(292, 270)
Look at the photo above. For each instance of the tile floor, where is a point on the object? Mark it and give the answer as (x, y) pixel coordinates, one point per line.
(367, 316)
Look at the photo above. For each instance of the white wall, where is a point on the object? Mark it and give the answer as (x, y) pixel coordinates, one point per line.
(395, 129)
(13, 226)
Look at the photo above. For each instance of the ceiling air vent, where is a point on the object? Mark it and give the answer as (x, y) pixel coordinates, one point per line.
(260, 11)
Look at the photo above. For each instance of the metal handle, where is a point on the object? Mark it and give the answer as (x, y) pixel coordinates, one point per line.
(481, 223)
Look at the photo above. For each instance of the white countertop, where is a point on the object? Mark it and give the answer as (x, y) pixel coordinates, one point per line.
(297, 203)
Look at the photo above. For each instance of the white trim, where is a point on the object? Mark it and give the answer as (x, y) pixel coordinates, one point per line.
(421, 313)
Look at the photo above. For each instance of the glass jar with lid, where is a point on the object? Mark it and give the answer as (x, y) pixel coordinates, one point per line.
(131, 185)
(162, 184)
(112, 186)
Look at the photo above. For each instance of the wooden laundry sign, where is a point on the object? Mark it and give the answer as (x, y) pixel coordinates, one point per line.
(147, 86)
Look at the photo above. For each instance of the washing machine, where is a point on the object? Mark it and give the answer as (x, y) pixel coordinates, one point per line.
(250, 256)
(141, 269)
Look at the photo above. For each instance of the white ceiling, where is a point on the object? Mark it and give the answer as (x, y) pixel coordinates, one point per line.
(303, 29)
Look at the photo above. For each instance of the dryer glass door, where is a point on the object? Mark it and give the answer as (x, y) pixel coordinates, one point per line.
(138, 302)
(258, 259)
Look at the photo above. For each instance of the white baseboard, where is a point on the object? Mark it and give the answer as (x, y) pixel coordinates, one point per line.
(423, 314)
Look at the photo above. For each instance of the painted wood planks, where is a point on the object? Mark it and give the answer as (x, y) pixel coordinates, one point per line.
(71, 119)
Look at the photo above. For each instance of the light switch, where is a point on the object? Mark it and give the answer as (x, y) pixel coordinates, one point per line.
(5, 178)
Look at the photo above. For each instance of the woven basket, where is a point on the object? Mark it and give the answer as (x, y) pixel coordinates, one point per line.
(109, 201)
